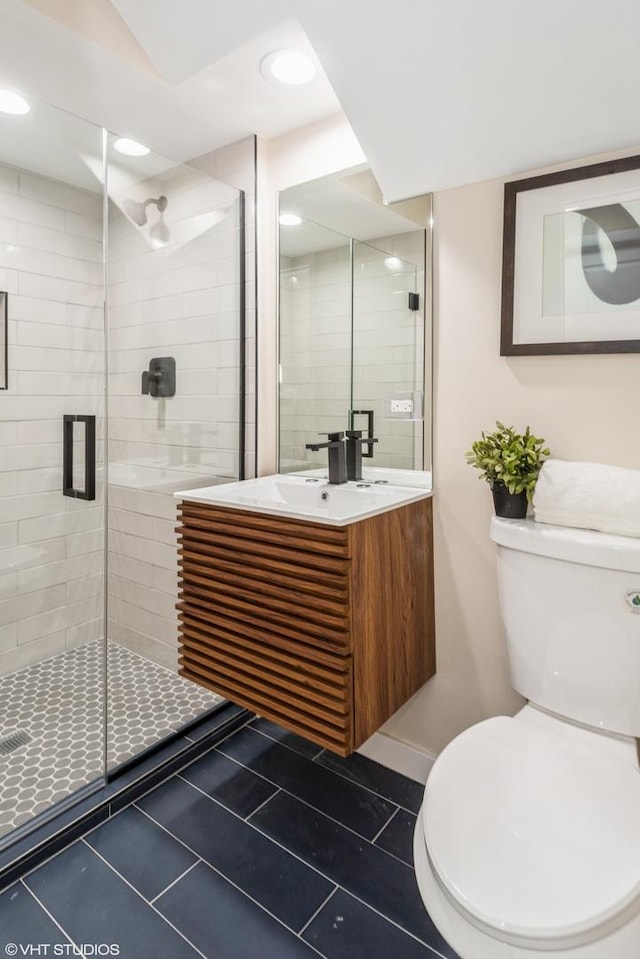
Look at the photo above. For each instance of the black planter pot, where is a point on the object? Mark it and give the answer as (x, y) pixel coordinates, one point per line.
(509, 505)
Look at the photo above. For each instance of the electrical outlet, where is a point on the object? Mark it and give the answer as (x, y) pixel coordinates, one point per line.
(402, 406)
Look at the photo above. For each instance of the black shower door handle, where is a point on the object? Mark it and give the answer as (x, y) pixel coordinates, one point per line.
(89, 491)
(369, 415)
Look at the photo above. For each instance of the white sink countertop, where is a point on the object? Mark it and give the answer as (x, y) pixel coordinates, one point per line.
(307, 498)
(377, 474)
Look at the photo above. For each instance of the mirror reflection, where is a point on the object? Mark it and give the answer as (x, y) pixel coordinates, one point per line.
(354, 332)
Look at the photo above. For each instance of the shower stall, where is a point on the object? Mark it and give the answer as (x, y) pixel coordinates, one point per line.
(122, 348)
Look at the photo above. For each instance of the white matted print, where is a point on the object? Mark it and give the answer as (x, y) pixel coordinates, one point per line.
(571, 261)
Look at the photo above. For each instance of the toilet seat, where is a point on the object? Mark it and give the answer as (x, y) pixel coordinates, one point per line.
(533, 832)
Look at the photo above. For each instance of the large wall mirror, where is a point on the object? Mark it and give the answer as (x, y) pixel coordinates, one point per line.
(355, 325)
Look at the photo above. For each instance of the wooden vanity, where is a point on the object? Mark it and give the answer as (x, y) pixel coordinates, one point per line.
(326, 630)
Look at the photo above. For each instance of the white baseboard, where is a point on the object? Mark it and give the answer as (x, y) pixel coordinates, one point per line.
(403, 758)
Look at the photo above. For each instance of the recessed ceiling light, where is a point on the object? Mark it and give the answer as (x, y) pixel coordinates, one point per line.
(289, 219)
(393, 263)
(288, 66)
(11, 102)
(130, 148)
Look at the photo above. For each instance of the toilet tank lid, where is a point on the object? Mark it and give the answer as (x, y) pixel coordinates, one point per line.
(585, 546)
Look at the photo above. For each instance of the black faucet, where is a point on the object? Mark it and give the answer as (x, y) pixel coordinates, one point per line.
(355, 442)
(337, 458)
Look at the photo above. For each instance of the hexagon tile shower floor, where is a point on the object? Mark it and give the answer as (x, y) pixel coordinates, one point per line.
(51, 741)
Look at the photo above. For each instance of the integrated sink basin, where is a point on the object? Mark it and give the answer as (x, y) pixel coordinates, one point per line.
(306, 498)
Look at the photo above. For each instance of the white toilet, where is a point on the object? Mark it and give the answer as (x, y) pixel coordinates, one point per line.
(527, 845)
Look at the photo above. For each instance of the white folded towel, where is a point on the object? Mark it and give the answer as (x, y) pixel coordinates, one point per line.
(588, 496)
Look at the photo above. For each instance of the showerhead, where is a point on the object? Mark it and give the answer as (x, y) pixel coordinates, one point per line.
(137, 211)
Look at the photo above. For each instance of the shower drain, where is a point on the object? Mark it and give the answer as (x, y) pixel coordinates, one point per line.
(13, 741)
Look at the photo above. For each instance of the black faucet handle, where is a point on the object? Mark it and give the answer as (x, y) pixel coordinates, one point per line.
(337, 455)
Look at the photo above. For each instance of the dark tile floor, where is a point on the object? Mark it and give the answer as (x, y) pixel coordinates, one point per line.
(266, 847)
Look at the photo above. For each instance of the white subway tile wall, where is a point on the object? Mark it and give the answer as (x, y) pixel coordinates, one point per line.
(235, 164)
(51, 546)
(319, 298)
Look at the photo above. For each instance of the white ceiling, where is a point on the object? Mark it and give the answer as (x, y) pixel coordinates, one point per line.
(208, 90)
(438, 93)
(182, 38)
(445, 93)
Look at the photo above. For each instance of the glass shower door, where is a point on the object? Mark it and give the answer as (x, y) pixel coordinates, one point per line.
(175, 324)
(51, 461)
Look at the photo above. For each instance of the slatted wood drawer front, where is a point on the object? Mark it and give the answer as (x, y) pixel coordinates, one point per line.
(263, 576)
(264, 617)
(297, 692)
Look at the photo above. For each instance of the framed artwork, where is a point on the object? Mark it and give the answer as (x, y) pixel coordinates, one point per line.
(4, 369)
(571, 261)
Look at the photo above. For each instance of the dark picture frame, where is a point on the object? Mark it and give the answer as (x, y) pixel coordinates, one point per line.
(4, 336)
(571, 261)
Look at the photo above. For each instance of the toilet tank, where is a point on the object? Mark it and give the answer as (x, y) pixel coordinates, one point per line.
(570, 603)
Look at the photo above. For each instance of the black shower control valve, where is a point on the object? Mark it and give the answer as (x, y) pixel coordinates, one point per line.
(160, 378)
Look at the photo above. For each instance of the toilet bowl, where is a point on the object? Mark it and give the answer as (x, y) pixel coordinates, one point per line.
(528, 842)
(527, 845)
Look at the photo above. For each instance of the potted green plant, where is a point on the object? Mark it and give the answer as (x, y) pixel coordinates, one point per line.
(510, 463)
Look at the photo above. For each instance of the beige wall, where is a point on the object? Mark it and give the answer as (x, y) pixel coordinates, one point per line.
(585, 406)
